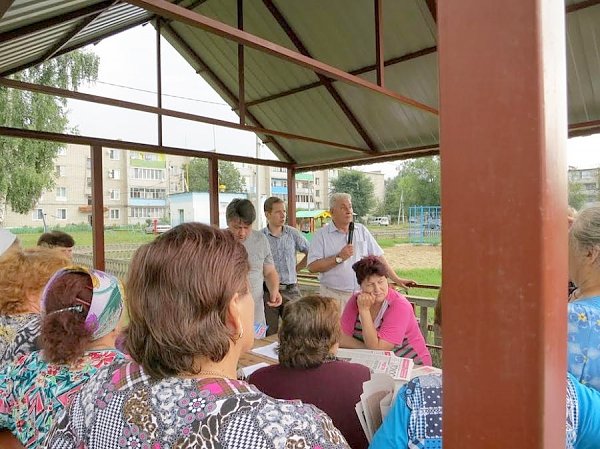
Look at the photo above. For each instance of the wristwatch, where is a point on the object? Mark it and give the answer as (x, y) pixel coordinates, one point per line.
(338, 260)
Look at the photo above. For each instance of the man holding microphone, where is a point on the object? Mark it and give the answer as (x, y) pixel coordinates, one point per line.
(338, 245)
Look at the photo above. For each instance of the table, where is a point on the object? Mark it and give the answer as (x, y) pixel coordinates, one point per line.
(250, 358)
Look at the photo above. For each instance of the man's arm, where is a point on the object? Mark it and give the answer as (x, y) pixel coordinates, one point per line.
(405, 283)
(272, 280)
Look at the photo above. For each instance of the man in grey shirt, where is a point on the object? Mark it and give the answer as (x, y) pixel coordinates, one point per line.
(240, 214)
(285, 241)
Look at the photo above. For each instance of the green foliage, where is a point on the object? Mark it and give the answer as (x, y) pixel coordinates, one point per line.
(28, 165)
(359, 186)
(418, 183)
(229, 176)
(576, 195)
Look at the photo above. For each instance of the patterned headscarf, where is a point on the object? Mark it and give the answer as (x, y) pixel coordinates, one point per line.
(107, 300)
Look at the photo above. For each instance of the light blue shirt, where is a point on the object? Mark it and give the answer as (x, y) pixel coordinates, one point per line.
(283, 249)
(583, 333)
(329, 241)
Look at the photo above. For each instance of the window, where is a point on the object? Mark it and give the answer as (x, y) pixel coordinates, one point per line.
(114, 174)
(317, 193)
(114, 214)
(588, 174)
(60, 171)
(591, 186)
(61, 193)
(61, 214)
(147, 212)
(89, 181)
(38, 214)
(114, 155)
(61, 151)
(317, 180)
(88, 163)
(148, 173)
(147, 193)
(115, 194)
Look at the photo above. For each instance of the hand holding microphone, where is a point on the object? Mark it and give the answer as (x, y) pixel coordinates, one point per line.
(350, 232)
(348, 250)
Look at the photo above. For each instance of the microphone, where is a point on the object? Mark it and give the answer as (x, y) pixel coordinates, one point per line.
(350, 232)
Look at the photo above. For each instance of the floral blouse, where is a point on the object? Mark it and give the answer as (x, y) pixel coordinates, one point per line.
(18, 334)
(33, 391)
(122, 407)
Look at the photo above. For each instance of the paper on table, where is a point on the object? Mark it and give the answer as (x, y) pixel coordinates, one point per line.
(269, 351)
(250, 369)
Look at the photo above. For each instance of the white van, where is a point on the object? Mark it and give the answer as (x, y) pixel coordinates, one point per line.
(381, 221)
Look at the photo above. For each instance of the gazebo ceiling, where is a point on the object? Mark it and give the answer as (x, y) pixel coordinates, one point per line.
(285, 96)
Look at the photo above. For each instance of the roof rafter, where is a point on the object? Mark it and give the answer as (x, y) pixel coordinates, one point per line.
(291, 34)
(196, 20)
(53, 21)
(222, 86)
(582, 5)
(360, 71)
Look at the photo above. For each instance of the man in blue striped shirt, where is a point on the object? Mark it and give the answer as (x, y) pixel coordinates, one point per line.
(285, 242)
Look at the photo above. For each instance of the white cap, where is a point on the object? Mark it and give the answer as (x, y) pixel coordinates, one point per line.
(7, 238)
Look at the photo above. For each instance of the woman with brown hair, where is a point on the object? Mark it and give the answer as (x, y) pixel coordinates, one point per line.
(308, 369)
(23, 275)
(81, 310)
(191, 317)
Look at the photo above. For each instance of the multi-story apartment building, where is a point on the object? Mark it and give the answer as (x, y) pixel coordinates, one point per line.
(136, 187)
(589, 179)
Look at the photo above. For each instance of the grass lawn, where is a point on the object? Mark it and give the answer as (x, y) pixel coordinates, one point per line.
(431, 276)
(84, 238)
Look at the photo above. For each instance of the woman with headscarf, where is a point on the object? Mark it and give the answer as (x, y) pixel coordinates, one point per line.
(23, 275)
(81, 310)
(191, 316)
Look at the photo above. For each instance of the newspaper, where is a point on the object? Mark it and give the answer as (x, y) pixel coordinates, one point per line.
(385, 362)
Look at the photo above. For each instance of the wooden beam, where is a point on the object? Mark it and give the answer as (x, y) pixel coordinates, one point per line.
(168, 112)
(213, 191)
(241, 78)
(168, 10)
(134, 146)
(291, 205)
(432, 7)
(5, 6)
(581, 5)
(159, 117)
(505, 227)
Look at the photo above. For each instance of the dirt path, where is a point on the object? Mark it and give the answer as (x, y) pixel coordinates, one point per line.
(406, 256)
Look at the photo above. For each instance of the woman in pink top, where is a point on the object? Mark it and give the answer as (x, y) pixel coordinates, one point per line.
(378, 317)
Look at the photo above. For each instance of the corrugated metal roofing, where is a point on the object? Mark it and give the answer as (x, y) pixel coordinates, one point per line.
(337, 32)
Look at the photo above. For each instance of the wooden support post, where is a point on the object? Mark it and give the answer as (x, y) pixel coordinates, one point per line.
(291, 189)
(97, 208)
(159, 84)
(241, 79)
(503, 137)
(213, 190)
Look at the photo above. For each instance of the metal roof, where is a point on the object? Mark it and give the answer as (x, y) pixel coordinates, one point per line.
(286, 97)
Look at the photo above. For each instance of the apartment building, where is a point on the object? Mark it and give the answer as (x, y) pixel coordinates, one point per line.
(136, 186)
(589, 179)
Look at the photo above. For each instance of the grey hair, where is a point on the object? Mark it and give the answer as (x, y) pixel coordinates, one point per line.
(337, 197)
(585, 230)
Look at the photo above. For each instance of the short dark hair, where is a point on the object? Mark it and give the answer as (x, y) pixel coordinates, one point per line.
(270, 202)
(241, 209)
(64, 335)
(178, 292)
(368, 266)
(310, 327)
(53, 239)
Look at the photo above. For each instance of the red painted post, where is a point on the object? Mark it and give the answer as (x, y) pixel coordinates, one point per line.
(97, 208)
(291, 189)
(213, 190)
(503, 137)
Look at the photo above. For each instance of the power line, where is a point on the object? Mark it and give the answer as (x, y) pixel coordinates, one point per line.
(164, 95)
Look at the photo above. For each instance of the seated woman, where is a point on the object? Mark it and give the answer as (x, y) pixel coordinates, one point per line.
(378, 317)
(81, 311)
(415, 419)
(584, 311)
(23, 275)
(308, 370)
(191, 317)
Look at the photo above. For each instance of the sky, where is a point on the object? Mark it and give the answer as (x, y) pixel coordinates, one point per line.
(128, 62)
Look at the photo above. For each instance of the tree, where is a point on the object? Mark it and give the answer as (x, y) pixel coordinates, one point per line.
(417, 184)
(359, 186)
(27, 167)
(576, 195)
(229, 176)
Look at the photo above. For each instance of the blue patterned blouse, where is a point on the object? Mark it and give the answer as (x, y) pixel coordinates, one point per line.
(584, 341)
